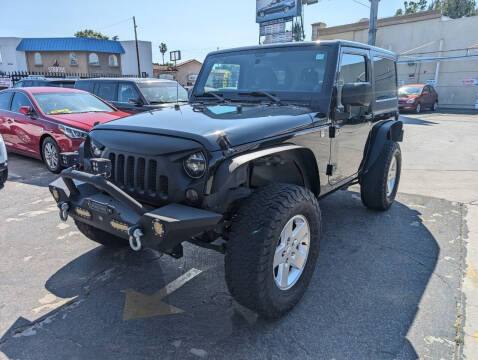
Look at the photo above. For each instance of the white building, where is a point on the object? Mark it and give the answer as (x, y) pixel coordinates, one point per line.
(129, 63)
(10, 58)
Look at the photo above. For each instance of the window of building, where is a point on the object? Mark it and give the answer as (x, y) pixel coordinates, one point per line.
(107, 91)
(73, 59)
(37, 58)
(20, 100)
(353, 68)
(113, 60)
(127, 92)
(93, 59)
(385, 78)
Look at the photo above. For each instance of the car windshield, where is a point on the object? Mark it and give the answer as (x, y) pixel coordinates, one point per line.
(70, 103)
(288, 73)
(410, 90)
(157, 92)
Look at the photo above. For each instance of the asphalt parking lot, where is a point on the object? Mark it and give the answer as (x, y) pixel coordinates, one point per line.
(387, 285)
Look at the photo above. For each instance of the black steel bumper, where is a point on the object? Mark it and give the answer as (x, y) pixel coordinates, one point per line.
(94, 200)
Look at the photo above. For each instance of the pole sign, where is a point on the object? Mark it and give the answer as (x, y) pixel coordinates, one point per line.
(175, 55)
(267, 10)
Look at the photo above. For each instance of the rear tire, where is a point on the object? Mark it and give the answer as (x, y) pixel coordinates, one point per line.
(269, 233)
(376, 189)
(50, 153)
(101, 237)
(435, 106)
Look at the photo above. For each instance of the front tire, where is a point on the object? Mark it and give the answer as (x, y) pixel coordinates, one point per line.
(418, 109)
(273, 248)
(435, 106)
(101, 237)
(51, 155)
(379, 185)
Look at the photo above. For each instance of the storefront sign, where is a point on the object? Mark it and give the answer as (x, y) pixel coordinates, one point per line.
(56, 69)
(5, 82)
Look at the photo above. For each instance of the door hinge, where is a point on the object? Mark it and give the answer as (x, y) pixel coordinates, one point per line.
(330, 169)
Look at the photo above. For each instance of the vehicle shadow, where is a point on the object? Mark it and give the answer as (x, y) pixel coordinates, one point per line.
(30, 171)
(410, 120)
(372, 271)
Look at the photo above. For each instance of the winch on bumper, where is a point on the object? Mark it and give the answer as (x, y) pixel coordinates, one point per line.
(94, 200)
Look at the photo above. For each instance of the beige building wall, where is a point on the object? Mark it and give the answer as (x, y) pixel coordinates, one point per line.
(62, 58)
(424, 32)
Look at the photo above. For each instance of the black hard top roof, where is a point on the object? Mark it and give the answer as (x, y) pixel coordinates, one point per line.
(335, 43)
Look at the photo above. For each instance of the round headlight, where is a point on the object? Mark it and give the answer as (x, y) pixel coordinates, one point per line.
(195, 165)
(96, 148)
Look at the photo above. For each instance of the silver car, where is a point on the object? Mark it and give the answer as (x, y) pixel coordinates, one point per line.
(3, 163)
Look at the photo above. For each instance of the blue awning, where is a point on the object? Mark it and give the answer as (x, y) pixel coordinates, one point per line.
(70, 44)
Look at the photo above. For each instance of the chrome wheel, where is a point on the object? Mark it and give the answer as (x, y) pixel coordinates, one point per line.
(419, 108)
(392, 176)
(51, 155)
(291, 252)
(435, 106)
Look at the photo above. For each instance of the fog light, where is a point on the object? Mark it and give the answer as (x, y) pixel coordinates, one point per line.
(192, 195)
(69, 159)
(158, 228)
(101, 166)
(82, 212)
(55, 194)
(119, 226)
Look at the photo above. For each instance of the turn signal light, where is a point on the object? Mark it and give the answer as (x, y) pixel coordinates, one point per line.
(158, 228)
(55, 194)
(119, 226)
(83, 212)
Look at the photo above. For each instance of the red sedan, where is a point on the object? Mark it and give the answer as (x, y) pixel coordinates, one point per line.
(417, 98)
(42, 122)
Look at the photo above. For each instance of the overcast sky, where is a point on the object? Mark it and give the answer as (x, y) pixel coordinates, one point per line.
(193, 26)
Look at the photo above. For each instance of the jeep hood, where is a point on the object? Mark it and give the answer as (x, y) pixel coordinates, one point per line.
(204, 124)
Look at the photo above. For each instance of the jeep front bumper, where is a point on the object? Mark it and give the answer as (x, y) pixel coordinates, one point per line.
(94, 200)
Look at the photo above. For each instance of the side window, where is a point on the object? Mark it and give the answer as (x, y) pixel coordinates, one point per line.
(5, 100)
(126, 92)
(85, 85)
(93, 59)
(107, 90)
(19, 100)
(38, 59)
(385, 78)
(18, 84)
(353, 68)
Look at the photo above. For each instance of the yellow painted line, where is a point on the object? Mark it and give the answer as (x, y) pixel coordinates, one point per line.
(472, 274)
(140, 306)
(475, 335)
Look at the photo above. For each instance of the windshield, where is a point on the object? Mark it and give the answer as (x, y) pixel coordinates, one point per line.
(289, 73)
(163, 92)
(70, 103)
(410, 90)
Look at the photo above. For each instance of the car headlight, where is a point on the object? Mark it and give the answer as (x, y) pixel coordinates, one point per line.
(195, 165)
(410, 101)
(72, 132)
(96, 149)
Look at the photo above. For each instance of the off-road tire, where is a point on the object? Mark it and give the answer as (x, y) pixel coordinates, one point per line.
(373, 189)
(255, 232)
(51, 141)
(101, 237)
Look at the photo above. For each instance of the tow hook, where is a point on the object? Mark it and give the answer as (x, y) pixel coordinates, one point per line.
(64, 207)
(135, 235)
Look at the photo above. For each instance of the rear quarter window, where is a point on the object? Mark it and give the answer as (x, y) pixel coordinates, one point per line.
(385, 78)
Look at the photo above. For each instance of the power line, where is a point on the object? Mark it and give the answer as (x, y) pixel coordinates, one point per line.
(361, 3)
(116, 23)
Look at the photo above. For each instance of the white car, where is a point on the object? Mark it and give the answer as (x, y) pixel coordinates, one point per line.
(3, 163)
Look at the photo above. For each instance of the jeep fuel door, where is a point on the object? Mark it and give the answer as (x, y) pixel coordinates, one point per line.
(351, 126)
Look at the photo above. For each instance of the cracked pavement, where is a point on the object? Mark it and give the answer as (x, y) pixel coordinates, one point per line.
(387, 285)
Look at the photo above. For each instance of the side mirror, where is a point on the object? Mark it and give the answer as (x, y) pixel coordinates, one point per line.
(136, 102)
(25, 110)
(357, 94)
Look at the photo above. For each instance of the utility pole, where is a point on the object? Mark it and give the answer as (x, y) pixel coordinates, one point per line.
(372, 31)
(137, 49)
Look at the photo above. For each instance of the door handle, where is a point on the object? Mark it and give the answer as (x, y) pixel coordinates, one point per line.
(9, 121)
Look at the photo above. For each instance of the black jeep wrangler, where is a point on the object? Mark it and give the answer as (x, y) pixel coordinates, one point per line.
(268, 131)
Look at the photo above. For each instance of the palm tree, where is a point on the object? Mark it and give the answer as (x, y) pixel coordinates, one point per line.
(163, 48)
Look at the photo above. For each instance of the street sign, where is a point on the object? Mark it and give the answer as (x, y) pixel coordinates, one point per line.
(175, 55)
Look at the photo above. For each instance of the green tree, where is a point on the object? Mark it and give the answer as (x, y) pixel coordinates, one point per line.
(163, 48)
(452, 8)
(88, 33)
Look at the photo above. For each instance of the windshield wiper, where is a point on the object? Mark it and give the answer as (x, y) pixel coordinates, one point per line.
(209, 94)
(259, 93)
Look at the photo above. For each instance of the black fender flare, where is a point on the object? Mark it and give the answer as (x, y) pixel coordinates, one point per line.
(233, 173)
(380, 133)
